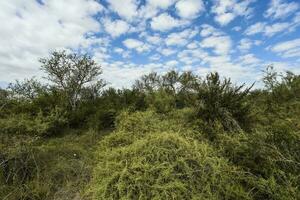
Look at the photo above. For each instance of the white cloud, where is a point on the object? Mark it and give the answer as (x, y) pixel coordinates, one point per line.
(119, 50)
(208, 30)
(276, 28)
(227, 10)
(120, 75)
(237, 28)
(245, 44)
(167, 51)
(279, 9)
(192, 45)
(161, 3)
(287, 49)
(172, 63)
(126, 8)
(115, 28)
(136, 44)
(269, 30)
(221, 45)
(153, 7)
(255, 28)
(155, 57)
(165, 22)
(132, 43)
(101, 56)
(122, 52)
(155, 39)
(249, 59)
(189, 9)
(180, 38)
(29, 30)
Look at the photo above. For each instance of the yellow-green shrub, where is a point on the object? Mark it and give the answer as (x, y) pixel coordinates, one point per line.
(163, 165)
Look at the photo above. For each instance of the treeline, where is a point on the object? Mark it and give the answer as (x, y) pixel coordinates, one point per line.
(253, 132)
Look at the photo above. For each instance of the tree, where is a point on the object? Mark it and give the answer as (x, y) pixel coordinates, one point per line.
(72, 74)
(27, 89)
(170, 80)
(270, 78)
(220, 100)
(188, 88)
(3, 98)
(148, 83)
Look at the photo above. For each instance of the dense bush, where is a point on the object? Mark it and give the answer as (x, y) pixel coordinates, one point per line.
(162, 165)
(219, 100)
(274, 171)
(172, 136)
(34, 125)
(56, 168)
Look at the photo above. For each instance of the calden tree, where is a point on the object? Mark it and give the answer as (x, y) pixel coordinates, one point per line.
(73, 74)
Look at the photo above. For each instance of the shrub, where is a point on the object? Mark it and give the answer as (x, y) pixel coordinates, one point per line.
(163, 166)
(161, 101)
(139, 124)
(219, 100)
(56, 168)
(35, 126)
(274, 172)
(102, 119)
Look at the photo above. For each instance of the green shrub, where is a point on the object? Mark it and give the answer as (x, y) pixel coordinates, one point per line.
(274, 173)
(102, 119)
(52, 168)
(34, 125)
(161, 101)
(163, 166)
(220, 100)
(139, 124)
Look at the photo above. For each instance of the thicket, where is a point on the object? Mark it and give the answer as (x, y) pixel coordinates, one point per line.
(170, 136)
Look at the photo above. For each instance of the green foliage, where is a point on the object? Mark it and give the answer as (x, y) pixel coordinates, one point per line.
(39, 125)
(28, 89)
(274, 172)
(174, 136)
(161, 101)
(141, 161)
(56, 168)
(73, 74)
(220, 101)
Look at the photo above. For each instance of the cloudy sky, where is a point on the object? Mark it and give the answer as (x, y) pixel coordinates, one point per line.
(133, 37)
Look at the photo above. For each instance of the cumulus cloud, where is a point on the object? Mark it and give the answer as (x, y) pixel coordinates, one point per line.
(269, 30)
(118, 32)
(287, 49)
(180, 38)
(167, 51)
(161, 3)
(227, 10)
(192, 45)
(115, 28)
(154, 39)
(249, 59)
(246, 44)
(279, 9)
(165, 22)
(136, 44)
(121, 74)
(189, 9)
(172, 63)
(29, 30)
(126, 8)
(208, 30)
(221, 45)
(258, 27)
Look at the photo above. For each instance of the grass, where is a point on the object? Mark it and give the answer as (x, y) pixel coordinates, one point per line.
(59, 167)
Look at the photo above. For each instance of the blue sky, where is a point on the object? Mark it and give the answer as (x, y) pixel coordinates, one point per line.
(130, 38)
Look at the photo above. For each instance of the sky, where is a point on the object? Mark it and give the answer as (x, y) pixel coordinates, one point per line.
(129, 38)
